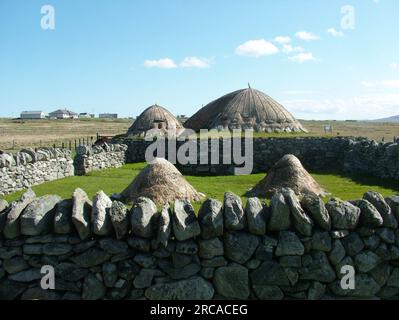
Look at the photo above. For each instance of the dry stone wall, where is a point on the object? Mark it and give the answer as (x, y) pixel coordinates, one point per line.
(29, 167)
(292, 249)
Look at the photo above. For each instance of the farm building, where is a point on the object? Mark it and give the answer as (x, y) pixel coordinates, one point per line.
(86, 115)
(108, 116)
(32, 115)
(244, 109)
(154, 117)
(63, 114)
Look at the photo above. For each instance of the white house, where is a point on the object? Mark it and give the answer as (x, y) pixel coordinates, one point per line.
(32, 115)
(63, 114)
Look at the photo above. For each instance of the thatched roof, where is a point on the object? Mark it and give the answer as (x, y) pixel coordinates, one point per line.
(161, 182)
(244, 109)
(288, 172)
(154, 117)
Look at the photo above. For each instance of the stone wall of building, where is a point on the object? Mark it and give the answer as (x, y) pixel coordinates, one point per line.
(292, 249)
(29, 167)
(92, 158)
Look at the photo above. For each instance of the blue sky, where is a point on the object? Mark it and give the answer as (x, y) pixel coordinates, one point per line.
(124, 55)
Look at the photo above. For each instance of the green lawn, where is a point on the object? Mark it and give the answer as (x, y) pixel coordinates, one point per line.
(115, 180)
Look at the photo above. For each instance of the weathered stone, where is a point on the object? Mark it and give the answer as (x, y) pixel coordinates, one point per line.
(38, 293)
(232, 282)
(393, 280)
(63, 217)
(15, 265)
(371, 242)
(291, 261)
(93, 288)
(120, 290)
(214, 262)
(386, 235)
(110, 274)
(83, 246)
(280, 214)
(189, 247)
(337, 252)
(140, 244)
(91, 258)
(146, 261)
(253, 264)
(185, 224)
(119, 219)
(100, 218)
(195, 288)
(164, 227)
(369, 217)
(3, 205)
(81, 212)
(344, 215)
(269, 273)
(289, 245)
(234, 217)
(316, 209)
(239, 246)
(70, 271)
(33, 249)
(381, 273)
(12, 223)
(143, 279)
(366, 261)
(388, 293)
(321, 241)
(316, 291)
(393, 202)
(211, 248)
(11, 290)
(72, 296)
(365, 286)
(26, 275)
(128, 269)
(113, 246)
(319, 269)
(378, 201)
(353, 244)
(210, 217)
(339, 234)
(181, 260)
(300, 219)
(56, 249)
(142, 217)
(207, 273)
(265, 292)
(179, 273)
(255, 216)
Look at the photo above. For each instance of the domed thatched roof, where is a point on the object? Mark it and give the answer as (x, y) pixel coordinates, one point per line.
(288, 172)
(244, 109)
(154, 117)
(162, 183)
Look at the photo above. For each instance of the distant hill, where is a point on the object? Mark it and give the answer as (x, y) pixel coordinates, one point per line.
(389, 119)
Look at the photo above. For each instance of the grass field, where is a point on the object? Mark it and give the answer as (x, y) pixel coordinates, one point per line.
(17, 134)
(115, 180)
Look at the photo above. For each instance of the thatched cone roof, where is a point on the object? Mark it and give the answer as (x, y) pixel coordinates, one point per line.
(161, 182)
(154, 117)
(288, 172)
(245, 109)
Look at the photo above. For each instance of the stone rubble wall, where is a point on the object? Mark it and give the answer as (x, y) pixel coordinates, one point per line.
(29, 167)
(352, 155)
(292, 249)
(99, 157)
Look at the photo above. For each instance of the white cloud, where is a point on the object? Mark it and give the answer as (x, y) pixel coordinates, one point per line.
(335, 33)
(394, 66)
(302, 57)
(164, 63)
(389, 84)
(256, 48)
(282, 39)
(287, 48)
(195, 62)
(307, 36)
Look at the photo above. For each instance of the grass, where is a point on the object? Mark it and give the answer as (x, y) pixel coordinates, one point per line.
(115, 180)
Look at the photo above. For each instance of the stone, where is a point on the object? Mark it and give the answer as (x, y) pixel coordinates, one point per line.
(189, 247)
(232, 282)
(319, 269)
(100, 218)
(234, 217)
(93, 288)
(181, 260)
(113, 246)
(140, 244)
(164, 227)
(344, 215)
(128, 269)
(321, 241)
(353, 244)
(302, 223)
(110, 274)
(381, 273)
(369, 217)
(71, 296)
(280, 214)
(383, 252)
(119, 219)
(81, 212)
(378, 201)
(339, 268)
(179, 273)
(214, 262)
(195, 288)
(316, 209)
(143, 279)
(339, 234)
(239, 246)
(33, 249)
(142, 217)
(3, 205)
(37, 293)
(388, 293)
(12, 223)
(371, 242)
(207, 273)
(393, 202)
(289, 245)
(365, 286)
(337, 252)
(185, 223)
(56, 249)
(210, 217)
(11, 290)
(268, 292)
(84, 245)
(253, 264)
(291, 261)
(386, 235)
(366, 261)
(316, 291)
(270, 273)
(211, 248)
(70, 271)
(120, 290)
(15, 265)
(90, 258)
(26, 275)
(146, 261)
(393, 280)
(255, 217)
(63, 217)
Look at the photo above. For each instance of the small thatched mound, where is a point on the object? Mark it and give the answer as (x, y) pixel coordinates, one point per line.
(288, 172)
(161, 182)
